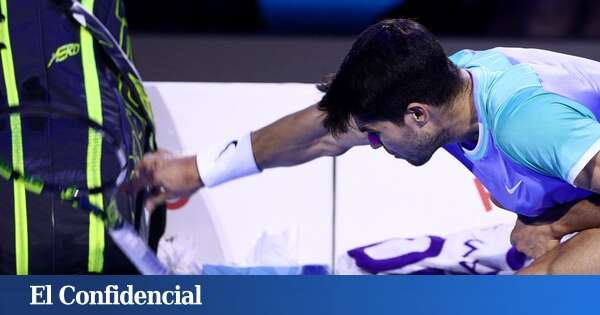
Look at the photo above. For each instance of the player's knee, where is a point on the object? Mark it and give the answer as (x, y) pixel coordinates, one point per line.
(538, 267)
(589, 235)
(580, 245)
(554, 268)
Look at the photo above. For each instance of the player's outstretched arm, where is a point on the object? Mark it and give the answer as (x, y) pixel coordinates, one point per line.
(299, 138)
(291, 140)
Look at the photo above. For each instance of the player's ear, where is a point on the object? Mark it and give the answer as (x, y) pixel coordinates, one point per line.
(417, 114)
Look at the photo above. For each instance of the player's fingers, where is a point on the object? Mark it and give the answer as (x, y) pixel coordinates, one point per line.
(146, 165)
(143, 174)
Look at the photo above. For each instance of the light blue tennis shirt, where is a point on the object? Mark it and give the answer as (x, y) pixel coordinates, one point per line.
(538, 125)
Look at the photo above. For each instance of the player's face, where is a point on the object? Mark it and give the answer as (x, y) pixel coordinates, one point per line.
(405, 141)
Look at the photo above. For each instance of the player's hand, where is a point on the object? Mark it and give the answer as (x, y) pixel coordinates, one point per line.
(174, 176)
(533, 238)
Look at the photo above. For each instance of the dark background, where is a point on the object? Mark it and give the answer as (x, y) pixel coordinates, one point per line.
(303, 40)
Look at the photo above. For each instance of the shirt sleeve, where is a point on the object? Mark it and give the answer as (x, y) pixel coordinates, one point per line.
(462, 57)
(550, 134)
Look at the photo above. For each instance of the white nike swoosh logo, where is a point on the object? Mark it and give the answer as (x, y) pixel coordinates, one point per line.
(514, 188)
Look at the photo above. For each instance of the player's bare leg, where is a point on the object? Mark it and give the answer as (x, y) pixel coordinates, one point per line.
(579, 255)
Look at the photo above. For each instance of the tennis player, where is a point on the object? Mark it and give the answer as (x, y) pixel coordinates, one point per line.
(523, 121)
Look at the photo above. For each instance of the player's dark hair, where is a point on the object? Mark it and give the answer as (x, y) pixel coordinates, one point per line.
(391, 64)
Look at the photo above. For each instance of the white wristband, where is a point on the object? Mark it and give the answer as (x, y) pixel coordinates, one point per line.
(226, 162)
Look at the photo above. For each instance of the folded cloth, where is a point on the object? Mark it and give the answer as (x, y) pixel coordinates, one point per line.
(482, 251)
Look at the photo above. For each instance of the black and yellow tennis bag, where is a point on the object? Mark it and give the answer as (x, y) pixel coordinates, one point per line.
(48, 57)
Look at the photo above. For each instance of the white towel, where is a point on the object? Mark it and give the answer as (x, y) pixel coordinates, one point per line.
(479, 251)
